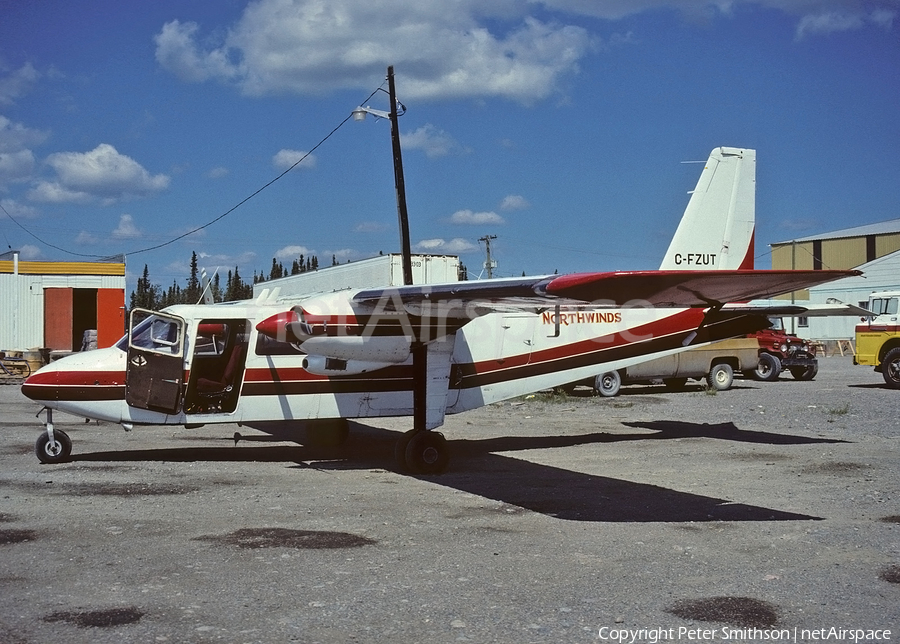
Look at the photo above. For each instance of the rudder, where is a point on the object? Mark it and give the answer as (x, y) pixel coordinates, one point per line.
(717, 229)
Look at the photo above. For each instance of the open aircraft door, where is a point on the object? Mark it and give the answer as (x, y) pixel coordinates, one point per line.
(154, 376)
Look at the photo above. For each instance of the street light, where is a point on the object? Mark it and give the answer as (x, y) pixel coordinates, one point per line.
(359, 114)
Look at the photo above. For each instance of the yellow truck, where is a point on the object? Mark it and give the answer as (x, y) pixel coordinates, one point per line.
(878, 337)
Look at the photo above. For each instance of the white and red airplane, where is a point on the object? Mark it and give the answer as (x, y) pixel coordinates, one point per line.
(302, 366)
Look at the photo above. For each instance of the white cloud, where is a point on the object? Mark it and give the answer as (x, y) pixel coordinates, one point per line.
(177, 52)
(514, 202)
(440, 49)
(826, 22)
(217, 173)
(18, 210)
(99, 175)
(291, 252)
(470, 218)
(523, 50)
(16, 166)
(442, 246)
(433, 141)
(29, 251)
(85, 238)
(285, 159)
(370, 227)
(15, 136)
(126, 228)
(18, 83)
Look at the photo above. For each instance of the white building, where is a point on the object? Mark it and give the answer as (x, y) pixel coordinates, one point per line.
(52, 304)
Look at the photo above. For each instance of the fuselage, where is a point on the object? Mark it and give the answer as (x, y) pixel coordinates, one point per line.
(492, 357)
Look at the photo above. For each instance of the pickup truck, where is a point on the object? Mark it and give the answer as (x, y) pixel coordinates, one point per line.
(716, 363)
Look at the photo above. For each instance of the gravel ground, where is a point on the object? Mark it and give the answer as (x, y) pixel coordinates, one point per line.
(562, 519)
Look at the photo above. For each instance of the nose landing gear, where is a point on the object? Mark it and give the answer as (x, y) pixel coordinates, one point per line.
(54, 445)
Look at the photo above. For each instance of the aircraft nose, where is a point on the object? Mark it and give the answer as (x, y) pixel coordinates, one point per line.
(43, 384)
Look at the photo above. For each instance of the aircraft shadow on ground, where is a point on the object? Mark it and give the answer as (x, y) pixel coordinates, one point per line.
(477, 468)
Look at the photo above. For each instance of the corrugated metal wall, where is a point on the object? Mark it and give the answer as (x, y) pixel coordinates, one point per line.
(21, 312)
(843, 253)
(22, 304)
(887, 244)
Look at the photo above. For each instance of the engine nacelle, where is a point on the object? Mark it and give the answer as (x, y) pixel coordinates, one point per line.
(381, 349)
(326, 366)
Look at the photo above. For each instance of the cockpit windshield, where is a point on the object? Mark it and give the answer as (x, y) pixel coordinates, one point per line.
(157, 333)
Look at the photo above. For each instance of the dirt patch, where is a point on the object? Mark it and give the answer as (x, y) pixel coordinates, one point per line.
(835, 467)
(125, 489)
(288, 538)
(744, 612)
(891, 575)
(98, 618)
(17, 536)
(891, 519)
(766, 457)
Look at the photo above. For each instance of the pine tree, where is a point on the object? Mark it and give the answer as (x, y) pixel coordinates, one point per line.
(146, 295)
(192, 292)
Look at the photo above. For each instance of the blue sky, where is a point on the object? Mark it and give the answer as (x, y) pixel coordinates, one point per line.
(560, 126)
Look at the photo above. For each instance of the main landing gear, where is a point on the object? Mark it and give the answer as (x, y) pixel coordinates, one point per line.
(54, 445)
(422, 452)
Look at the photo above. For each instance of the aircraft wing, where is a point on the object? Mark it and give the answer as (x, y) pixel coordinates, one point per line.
(806, 309)
(673, 289)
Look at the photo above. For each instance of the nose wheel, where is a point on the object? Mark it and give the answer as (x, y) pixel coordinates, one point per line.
(54, 445)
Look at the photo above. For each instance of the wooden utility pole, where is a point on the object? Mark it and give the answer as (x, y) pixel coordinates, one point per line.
(488, 264)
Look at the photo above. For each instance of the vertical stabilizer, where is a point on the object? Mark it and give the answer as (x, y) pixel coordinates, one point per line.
(716, 230)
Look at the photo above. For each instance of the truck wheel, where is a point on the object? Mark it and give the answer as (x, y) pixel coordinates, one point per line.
(768, 369)
(720, 377)
(804, 373)
(608, 384)
(890, 368)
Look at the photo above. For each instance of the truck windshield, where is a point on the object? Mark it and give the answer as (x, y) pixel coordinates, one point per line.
(884, 305)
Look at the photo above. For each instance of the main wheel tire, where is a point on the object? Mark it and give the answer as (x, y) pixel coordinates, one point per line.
(400, 449)
(890, 368)
(608, 384)
(675, 384)
(426, 453)
(804, 373)
(720, 377)
(52, 453)
(768, 369)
